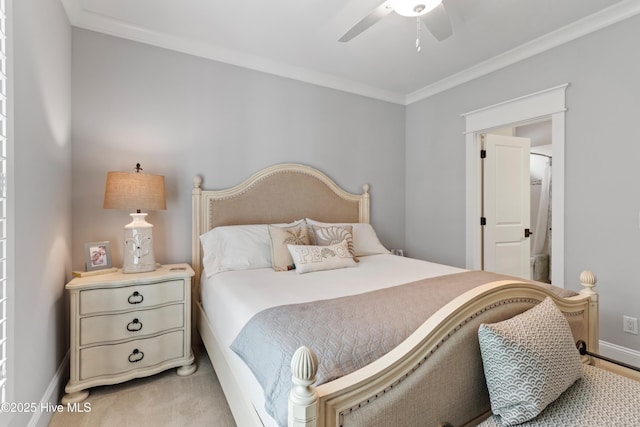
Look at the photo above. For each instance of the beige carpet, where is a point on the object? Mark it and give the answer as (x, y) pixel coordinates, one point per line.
(160, 400)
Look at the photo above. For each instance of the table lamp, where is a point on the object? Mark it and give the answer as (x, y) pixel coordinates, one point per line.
(141, 192)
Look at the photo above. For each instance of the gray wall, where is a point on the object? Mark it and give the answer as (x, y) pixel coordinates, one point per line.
(602, 174)
(180, 115)
(42, 184)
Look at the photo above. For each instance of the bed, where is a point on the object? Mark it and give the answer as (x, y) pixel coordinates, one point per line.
(433, 374)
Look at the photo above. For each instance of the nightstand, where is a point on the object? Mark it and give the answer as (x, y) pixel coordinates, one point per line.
(126, 326)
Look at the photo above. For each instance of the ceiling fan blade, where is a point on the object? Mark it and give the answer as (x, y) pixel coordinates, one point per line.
(376, 14)
(438, 23)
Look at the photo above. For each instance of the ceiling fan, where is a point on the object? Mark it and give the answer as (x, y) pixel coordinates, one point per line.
(431, 12)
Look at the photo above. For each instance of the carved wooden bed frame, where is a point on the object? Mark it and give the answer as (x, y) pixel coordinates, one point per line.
(438, 366)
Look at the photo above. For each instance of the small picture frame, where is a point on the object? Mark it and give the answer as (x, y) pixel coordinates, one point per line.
(97, 255)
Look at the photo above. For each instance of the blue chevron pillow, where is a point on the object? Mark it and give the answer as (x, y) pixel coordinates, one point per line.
(529, 360)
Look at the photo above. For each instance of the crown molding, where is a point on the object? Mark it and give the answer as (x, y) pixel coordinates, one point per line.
(101, 23)
(597, 21)
(104, 24)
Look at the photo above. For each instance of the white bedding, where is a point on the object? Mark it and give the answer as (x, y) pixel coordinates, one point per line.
(231, 298)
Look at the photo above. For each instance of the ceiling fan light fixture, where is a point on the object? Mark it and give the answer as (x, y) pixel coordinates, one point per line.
(414, 8)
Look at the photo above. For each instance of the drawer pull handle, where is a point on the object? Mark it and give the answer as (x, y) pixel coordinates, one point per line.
(136, 356)
(135, 298)
(134, 326)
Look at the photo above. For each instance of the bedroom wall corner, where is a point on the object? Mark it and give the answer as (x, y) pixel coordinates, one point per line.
(42, 203)
(181, 115)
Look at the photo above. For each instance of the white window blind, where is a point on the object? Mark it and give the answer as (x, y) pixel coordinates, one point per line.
(3, 202)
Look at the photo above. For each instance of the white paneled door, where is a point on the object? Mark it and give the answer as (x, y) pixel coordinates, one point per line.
(506, 188)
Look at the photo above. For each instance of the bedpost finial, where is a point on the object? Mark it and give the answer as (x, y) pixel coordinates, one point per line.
(197, 181)
(588, 280)
(303, 398)
(366, 188)
(588, 277)
(304, 364)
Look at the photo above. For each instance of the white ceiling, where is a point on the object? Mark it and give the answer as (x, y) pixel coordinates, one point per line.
(298, 38)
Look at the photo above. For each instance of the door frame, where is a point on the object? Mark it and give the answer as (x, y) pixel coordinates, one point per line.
(543, 105)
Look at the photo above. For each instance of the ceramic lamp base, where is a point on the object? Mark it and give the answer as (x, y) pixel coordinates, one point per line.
(138, 245)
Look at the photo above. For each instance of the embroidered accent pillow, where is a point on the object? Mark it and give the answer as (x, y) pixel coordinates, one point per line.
(529, 360)
(316, 258)
(281, 237)
(365, 239)
(325, 236)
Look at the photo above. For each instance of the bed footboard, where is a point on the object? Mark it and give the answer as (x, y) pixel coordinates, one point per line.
(435, 375)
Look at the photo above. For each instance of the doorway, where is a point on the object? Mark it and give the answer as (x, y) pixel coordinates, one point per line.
(517, 234)
(547, 105)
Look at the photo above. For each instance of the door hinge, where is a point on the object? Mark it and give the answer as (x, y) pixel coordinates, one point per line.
(483, 220)
(483, 154)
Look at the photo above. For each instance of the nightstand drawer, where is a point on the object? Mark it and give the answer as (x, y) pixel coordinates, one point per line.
(130, 297)
(139, 323)
(119, 358)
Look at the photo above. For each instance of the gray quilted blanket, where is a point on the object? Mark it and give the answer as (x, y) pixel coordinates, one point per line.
(346, 333)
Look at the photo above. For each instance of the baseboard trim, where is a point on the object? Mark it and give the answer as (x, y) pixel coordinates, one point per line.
(622, 354)
(52, 394)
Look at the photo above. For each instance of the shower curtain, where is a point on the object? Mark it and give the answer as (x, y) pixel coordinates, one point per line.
(544, 215)
(541, 244)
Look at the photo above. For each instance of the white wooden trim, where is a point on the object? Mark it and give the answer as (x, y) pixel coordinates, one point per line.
(10, 317)
(517, 110)
(558, 198)
(55, 389)
(620, 353)
(609, 16)
(548, 103)
(293, 167)
(198, 218)
(83, 18)
(239, 402)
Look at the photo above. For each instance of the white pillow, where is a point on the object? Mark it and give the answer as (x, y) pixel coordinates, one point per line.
(236, 247)
(365, 239)
(308, 258)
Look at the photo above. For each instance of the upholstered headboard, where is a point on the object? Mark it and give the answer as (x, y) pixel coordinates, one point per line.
(278, 194)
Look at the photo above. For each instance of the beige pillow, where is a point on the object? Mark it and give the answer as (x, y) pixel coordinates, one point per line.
(281, 237)
(333, 234)
(365, 239)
